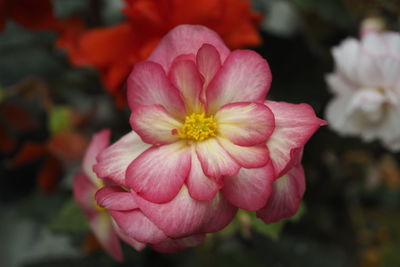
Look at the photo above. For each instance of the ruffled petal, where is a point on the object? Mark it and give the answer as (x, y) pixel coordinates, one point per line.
(245, 123)
(175, 245)
(208, 62)
(115, 198)
(186, 39)
(244, 76)
(200, 186)
(148, 85)
(159, 173)
(105, 234)
(214, 159)
(154, 125)
(286, 196)
(98, 143)
(294, 125)
(247, 156)
(180, 217)
(250, 188)
(113, 161)
(185, 76)
(138, 227)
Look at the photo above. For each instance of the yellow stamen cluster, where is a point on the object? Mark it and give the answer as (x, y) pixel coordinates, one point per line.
(198, 127)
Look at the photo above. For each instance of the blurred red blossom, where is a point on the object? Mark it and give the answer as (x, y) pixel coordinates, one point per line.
(114, 50)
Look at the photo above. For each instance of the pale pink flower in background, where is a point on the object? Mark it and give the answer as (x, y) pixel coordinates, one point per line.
(366, 85)
(204, 143)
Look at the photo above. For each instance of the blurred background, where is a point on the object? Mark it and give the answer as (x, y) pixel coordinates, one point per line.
(63, 66)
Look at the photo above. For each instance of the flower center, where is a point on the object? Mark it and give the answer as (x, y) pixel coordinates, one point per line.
(198, 127)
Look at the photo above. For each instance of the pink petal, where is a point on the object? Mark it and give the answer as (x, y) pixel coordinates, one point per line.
(132, 242)
(84, 191)
(244, 123)
(186, 39)
(221, 214)
(180, 217)
(115, 198)
(159, 173)
(199, 185)
(250, 188)
(244, 77)
(185, 76)
(247, 156)
(208, 62)
(154, 125)
(98, 143)
(104, 231)
(138, 227)
(113, 162)
(148, 85)
(286, 196)
(214, 159)
(175, 245)
(294, 125)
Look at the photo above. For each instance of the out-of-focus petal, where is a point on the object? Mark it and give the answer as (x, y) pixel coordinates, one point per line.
(98, 143)
(114, 160)
(134, 243)
(244, 77)
(154, 125)
(175, 245)
(84, 191)
(159, 173)
(244, 123)
(286, 196)
(250, 188)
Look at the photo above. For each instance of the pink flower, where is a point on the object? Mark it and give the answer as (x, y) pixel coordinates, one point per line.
(85, 185)
(204, 141)
(366, 85)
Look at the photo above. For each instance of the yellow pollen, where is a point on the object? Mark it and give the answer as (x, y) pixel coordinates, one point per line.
(198, 127)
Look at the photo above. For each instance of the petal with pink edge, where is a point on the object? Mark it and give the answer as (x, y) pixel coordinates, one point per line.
(214, 159)
(221, 214)
(84, 191)
(138, 227)
(159, 173)
(250, 188)
(175, 245)
(154, 125)
(113, 161)
(244, 76)
(294, 125)
(132, 242)
(286, 196)
(98, 143)
(115, 198)
(186, 39)
(208, 62)
(148, 85)
(200, 186)
(244, 123)
(185, 76)
(247, 156)
(105, 234)
(180, 217)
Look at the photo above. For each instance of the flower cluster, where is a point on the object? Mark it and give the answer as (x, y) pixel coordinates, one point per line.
(204, 143)
(114, 50)
(366, 85)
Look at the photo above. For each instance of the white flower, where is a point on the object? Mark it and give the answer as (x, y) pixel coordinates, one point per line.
(366, 85)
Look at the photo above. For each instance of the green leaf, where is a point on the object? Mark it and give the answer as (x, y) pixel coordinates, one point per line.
(60, 119)
(70, 219)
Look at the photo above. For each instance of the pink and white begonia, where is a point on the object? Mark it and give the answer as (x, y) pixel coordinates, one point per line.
(366, 85)
(204, 143)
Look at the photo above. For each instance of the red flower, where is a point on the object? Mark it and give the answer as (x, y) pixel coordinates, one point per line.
(114, 50)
